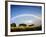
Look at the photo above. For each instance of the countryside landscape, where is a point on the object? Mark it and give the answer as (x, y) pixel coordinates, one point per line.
(25, 18)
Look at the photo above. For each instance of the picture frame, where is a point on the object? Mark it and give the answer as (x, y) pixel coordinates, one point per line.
(8, 15)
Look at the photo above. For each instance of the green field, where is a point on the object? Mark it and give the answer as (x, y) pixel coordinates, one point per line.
(26, 28)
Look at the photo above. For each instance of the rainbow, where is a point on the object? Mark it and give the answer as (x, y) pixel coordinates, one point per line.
(26, 15)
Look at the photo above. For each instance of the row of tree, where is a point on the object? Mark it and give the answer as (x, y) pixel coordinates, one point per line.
(14, 25)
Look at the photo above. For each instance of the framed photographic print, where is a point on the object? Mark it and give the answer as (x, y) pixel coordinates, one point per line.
(24, 18)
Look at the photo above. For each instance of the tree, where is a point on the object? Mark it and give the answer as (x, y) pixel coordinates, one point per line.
(22, 25)
(31, 25)
(13, 25)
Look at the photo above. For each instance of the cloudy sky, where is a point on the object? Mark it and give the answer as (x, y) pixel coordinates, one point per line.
(25, 14)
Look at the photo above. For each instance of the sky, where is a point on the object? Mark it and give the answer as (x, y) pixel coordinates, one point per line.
(23, 11)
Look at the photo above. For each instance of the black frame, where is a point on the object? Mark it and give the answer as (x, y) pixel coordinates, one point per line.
(6, 18)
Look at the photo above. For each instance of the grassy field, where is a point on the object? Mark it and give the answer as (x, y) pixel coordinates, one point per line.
(26, 28)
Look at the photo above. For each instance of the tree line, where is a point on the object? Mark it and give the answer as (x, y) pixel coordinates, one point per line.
(14, 25)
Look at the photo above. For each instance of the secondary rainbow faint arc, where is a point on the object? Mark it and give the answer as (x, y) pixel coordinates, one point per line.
(26, 15)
